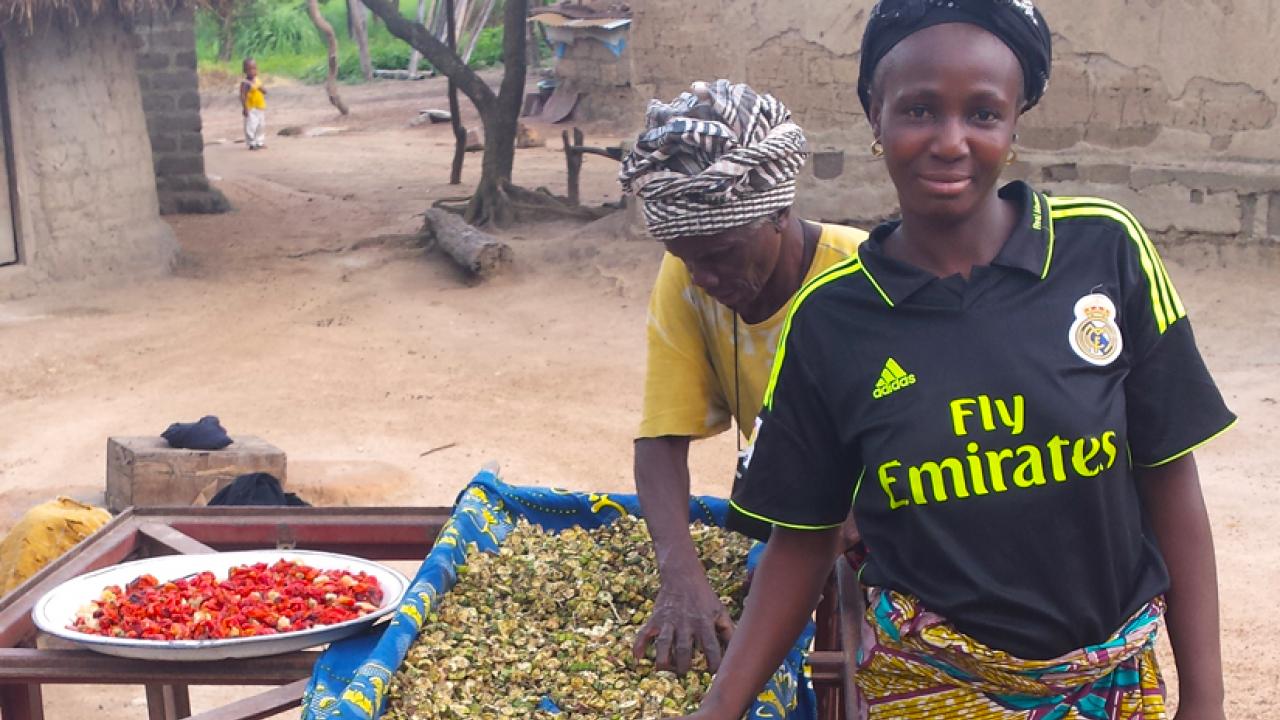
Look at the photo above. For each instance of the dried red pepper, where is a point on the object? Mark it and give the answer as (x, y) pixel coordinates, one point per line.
(253, 600)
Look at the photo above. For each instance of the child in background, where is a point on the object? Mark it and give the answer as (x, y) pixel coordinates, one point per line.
(253, 99)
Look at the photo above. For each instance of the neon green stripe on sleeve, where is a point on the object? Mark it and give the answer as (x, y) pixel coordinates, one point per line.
(1193, 448)
(771, 521)
(1162, 311)
(847, 267)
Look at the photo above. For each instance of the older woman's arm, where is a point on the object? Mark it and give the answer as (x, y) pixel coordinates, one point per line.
(687, 612)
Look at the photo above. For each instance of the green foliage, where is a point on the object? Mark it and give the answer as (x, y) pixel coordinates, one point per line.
(270, 28)
(488, 48)
(280, 36)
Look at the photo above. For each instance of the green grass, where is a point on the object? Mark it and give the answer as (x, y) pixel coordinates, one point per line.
(280, 36)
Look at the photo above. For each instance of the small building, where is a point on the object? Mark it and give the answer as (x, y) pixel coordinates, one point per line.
(589, 41)
(77, 182)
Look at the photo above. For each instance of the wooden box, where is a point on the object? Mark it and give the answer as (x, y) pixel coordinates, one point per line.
(145, 471)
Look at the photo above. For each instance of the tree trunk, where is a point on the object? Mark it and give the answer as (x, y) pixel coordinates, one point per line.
(415, 57)
(226, 37)
(326, 30)
(455, 112)
(475, 34)
(479, 254)
(499, 112)
(360, 29)
(491, 203)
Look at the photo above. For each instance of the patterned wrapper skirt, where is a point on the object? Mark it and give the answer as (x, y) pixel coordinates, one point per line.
(913, 664)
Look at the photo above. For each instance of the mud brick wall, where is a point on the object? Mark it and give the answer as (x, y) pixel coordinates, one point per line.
(602, 77)
(171, 101)
(86, 192)
(1169, 106)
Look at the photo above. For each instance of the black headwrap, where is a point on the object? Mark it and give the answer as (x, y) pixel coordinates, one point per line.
(1017, 22)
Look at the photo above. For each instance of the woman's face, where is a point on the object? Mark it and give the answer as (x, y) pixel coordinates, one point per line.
(944, 105)
(733, 266)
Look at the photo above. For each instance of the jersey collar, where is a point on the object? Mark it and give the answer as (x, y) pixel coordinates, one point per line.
(1028, 249)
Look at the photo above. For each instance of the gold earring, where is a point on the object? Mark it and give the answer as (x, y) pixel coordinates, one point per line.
(877, 149)
(1013, 156)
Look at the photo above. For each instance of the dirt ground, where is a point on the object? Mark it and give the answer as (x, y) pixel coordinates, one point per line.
(359, 362)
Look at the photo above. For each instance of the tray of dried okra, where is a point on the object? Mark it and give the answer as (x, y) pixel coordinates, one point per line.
(527, 607)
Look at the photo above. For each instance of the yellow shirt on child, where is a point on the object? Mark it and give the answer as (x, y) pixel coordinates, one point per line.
(254, 98)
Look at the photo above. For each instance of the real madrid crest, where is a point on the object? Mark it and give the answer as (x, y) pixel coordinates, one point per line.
(1094, 335)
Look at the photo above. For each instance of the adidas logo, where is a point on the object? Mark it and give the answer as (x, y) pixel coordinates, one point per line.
(892, 379)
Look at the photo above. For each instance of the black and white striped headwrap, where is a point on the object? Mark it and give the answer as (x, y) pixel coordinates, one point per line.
(715, 158)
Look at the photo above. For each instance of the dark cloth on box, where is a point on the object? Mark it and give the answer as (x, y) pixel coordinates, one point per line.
(257, 489)
(204, 434)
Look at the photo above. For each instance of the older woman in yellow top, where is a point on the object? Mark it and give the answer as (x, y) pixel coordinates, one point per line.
(716, 177)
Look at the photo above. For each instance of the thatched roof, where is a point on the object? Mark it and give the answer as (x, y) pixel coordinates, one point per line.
(27, 13)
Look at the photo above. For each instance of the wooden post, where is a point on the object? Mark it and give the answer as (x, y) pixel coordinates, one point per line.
(21, 702)
(264, 705)
(415, 57)
(479, 27)
(455, 112)
(852, 606)
(358, 23)
(168, 702)
(827, 637)
(573, 161)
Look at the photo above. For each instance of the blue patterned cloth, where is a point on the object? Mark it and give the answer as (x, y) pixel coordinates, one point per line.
(351, 678)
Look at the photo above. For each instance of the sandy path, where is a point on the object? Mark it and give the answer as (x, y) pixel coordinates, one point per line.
(357, 362)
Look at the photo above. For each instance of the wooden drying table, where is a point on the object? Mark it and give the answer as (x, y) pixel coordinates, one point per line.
(394, 533)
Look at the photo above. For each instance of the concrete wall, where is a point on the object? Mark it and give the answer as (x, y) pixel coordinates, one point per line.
(604, 78)
(86, 190)
(171, 101)
(1169, 106)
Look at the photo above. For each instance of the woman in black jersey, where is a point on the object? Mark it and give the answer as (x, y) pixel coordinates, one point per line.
(1006, 388)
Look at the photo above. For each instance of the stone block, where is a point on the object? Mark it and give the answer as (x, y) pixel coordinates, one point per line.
(1105, 173)
(1122, 137)
(189, 101)
(153, 61)
(185, 59)
(174, 80)
(1061, 172)
(145, 471)
(1273, 215)
(1050, 138)
(181, 183)
(176, 123)
(175, 37)
(154, 102)
(164, 144)
(208, 202)
(192, 142)
(186, 164)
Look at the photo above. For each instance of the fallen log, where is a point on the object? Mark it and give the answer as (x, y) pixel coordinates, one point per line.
(478, 253)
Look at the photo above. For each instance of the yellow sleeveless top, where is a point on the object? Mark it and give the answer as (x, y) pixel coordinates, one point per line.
(254, 98)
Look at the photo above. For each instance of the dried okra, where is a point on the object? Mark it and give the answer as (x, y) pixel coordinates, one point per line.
(554, 615)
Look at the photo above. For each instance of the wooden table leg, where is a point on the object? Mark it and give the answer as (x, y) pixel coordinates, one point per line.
(827, 637)
(272, 702)
(21, 702)
(168, 702)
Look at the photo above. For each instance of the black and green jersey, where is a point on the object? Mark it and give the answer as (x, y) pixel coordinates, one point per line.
(985, 431)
